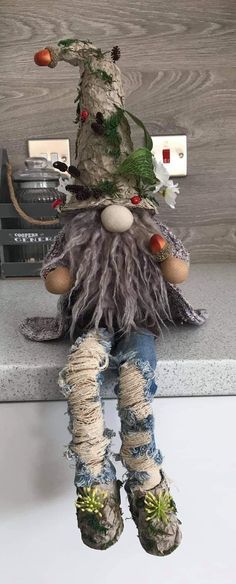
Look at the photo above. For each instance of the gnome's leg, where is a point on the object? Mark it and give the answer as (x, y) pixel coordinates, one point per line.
(151, 504)
(136, 356)
(98, 510)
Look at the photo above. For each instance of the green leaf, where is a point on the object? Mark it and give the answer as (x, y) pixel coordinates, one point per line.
(67, 42)
(147, 138)
(111, 132)
(107, 187)
(139, 164)
(101, 74)
(94, 523)
(77, 98)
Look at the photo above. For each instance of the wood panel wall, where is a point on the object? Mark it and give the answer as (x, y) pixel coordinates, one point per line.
(179, 67)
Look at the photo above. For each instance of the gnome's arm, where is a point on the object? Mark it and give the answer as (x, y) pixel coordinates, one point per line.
(55, 270)
(175, 268)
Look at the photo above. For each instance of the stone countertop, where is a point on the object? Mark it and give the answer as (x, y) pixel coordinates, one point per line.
(192, 360)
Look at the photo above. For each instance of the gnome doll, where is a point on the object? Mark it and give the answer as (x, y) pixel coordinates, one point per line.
(115, 267)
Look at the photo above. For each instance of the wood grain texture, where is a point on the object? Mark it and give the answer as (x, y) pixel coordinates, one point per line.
(179, 69)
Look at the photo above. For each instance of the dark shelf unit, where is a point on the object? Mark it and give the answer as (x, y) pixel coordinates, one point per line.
(22, 248)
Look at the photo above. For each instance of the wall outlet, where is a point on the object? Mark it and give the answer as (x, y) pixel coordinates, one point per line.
(172, 152)
(52, 150)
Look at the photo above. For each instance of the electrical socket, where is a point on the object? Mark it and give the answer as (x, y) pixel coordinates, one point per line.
(52, 150)
(177, 147)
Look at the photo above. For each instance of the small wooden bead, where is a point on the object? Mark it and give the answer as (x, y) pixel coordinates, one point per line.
(174, 270)
(59, 281)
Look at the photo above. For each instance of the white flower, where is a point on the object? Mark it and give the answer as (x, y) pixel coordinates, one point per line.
(63, 182)
(171, 193)
(170, 190)
(161, 172)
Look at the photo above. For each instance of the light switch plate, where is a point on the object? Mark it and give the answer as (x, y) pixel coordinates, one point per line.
(178, 153)
(52, 150)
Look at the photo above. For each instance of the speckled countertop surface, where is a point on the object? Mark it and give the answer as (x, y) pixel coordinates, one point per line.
(192, 360)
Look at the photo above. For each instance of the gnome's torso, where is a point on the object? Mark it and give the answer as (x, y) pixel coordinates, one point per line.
(44, 329)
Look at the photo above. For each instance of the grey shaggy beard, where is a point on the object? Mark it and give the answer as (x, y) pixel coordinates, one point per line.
(118, 282)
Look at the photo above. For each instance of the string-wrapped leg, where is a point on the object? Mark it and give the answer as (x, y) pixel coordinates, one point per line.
(98, 500)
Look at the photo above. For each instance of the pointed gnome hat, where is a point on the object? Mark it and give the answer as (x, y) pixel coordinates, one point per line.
(107, 169)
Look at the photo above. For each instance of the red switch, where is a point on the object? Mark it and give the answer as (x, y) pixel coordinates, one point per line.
(166, 155)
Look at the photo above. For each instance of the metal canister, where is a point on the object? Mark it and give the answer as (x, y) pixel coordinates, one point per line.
(36, 183)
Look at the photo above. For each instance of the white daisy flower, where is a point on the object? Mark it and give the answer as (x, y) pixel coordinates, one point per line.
(170, 190)
(171, 193)
(161, 172)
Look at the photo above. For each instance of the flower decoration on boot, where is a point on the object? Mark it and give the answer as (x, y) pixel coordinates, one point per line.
(91, 501)
(159, 506)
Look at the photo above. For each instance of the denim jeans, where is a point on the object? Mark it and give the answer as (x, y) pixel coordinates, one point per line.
(138, 346)
(134, 358)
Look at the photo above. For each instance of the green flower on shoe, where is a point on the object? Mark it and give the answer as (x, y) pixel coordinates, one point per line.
(158, 506)
(92, 501)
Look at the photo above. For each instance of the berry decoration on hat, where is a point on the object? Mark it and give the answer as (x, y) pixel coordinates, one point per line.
(57, 203)
(84, 115)
(135, 199)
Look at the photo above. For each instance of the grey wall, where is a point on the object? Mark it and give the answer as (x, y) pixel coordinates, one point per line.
(178, 62)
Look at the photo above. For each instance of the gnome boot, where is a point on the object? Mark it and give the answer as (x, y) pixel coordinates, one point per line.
(154, 512)
(99, 514)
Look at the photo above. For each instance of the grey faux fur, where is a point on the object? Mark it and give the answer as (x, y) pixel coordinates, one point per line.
(118, 282)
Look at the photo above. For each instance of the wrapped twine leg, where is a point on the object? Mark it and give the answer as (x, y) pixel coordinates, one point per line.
(89, 440)
(138, 450)
(98, 502)
(151, 504)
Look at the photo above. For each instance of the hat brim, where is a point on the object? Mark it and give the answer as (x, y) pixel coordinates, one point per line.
(73, 205)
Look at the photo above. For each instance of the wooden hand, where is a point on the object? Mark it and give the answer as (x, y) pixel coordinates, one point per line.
(174, 270)
(59, 281)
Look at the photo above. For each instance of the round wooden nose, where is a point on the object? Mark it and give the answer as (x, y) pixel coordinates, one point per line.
(116, 218)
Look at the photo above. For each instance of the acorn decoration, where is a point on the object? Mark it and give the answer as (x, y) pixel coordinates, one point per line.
(97, 128)
(82, 192)
(43, 58)
(74, 171)
(115, 54)
(159, 247)
(98, 125)
(157, 243)
(62, 166)
(100, 118)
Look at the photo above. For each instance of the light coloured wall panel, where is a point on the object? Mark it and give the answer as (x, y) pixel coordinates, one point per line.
(178, 62)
